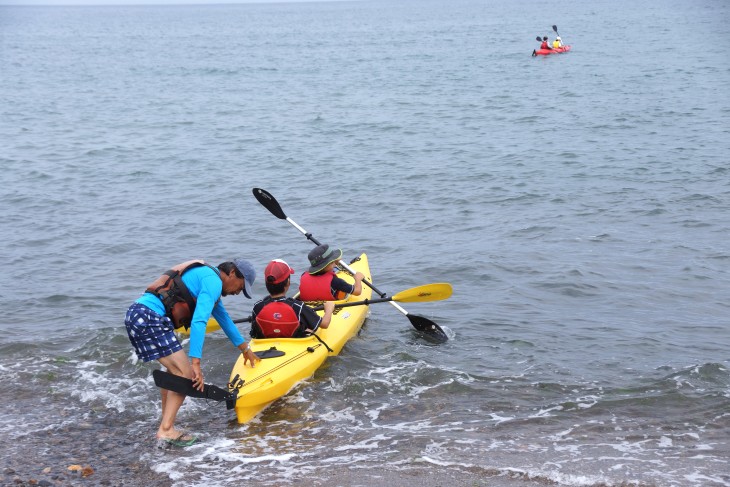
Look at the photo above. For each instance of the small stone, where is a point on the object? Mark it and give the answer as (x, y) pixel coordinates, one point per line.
(87, 471)
(75, 468)
(47, 470)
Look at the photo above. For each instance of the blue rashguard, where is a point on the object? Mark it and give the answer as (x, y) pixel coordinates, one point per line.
(206, 287)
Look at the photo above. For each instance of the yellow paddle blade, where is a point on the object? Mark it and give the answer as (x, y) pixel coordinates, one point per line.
(427, 292)
(212, 326)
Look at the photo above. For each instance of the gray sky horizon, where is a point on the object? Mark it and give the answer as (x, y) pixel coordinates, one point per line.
(145, 2)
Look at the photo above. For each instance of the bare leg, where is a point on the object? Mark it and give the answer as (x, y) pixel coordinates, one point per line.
(177, 364)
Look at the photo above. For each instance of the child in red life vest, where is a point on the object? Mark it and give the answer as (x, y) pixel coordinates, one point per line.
(277, 316)
(320, 282)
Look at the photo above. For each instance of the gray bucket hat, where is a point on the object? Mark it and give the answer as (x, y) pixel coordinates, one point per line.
(322, 256)
(249, 275)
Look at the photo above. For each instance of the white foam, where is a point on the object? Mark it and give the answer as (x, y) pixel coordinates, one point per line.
(133, 359)
(697, 478)
(665, 442)
(116, 394)
(501, 419)
(560, 435)
(345, 415)
(442, 463)
(546, 412)
(369, 444)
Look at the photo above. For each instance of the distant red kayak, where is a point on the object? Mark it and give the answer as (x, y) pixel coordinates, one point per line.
(545, 52)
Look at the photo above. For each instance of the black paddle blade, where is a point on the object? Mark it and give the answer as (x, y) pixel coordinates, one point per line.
(268, 201)
(428, 328)
(182, 385)
(555, 28)
(539, 39)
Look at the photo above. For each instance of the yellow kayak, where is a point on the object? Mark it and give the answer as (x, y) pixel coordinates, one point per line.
(286, 361)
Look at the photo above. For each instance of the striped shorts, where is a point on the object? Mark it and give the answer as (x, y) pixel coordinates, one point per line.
(152, 335)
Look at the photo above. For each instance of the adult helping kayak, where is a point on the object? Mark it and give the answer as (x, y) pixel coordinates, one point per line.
(151, 329)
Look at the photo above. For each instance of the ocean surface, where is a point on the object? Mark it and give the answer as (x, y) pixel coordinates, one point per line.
(579, 204)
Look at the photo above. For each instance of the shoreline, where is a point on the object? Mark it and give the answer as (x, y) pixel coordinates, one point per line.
(428, 475)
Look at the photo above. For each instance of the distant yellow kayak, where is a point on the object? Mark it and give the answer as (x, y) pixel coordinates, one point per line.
(287, 361)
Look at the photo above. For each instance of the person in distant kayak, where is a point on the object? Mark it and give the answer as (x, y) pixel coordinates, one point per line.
(277, 316)
(557, 43)
(320, 282)
(186, 296)
(545, 44)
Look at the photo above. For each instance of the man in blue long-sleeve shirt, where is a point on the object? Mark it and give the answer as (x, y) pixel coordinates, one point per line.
(186, 295)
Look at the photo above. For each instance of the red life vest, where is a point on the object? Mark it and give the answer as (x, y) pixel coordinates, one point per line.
(316, 288)
(277, 320)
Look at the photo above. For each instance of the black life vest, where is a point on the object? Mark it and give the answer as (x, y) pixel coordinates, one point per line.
(175, 296)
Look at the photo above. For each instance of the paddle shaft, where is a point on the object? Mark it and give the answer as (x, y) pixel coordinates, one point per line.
(357, 303)
(364, 302)
(345, 266)
(342, 305)
(419, 294)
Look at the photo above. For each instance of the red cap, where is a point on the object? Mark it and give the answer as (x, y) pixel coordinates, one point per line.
(277, 271)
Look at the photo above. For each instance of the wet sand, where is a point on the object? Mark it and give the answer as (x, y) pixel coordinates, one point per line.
(138, 474)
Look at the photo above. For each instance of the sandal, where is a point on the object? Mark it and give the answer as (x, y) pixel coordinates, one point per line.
(182, 441)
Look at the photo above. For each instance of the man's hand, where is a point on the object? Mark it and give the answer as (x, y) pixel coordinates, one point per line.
(198, 380)
(248, 355)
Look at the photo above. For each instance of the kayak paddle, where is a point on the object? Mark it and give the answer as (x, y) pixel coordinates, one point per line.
(429, 329)
(183, 385)
(420, 294)
(555, 28)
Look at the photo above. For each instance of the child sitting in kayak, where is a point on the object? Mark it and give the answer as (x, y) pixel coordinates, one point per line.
(320, 282)
(557, 43)
(545, 44)
(277, 316)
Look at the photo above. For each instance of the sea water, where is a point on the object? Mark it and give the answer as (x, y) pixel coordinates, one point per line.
(578, 203)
